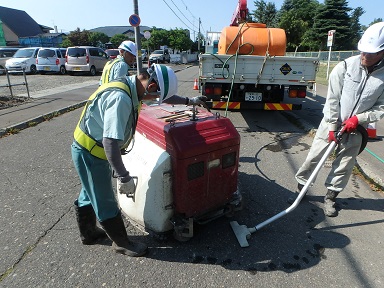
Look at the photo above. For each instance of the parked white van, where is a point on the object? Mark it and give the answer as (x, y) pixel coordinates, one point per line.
(51, 60)
(24, 59)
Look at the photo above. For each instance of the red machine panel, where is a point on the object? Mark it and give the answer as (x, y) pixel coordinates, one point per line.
(204, 155)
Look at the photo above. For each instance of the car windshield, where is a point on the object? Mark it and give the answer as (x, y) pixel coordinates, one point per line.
(157, 52)
(76, 52)
(45, 53)
(112, 52)
(24, 53)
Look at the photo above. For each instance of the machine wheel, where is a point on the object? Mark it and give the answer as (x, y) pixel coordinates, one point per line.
(177, 234)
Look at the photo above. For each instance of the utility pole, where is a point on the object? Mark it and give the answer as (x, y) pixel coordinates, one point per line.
(198, 37)
(137, 38)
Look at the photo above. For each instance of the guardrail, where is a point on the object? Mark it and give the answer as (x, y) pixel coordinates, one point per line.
(10, 85)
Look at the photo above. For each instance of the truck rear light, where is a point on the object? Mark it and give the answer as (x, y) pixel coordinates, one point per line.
(57, 61)
(217, 90)
(297, 92)
(301, 93)
(293, 93)
(208, 90)
(229, 160)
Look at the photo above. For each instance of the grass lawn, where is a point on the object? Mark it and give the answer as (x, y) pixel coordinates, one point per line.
(321, 76)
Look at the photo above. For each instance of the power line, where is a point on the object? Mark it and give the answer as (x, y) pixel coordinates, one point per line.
(183, 14)
(193, 16)
(178, 16)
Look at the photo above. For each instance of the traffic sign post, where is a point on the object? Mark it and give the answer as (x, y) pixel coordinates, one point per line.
(134, 20)
(331, 34)
(147, 35)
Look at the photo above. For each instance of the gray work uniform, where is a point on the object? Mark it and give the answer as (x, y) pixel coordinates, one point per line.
(351, 91)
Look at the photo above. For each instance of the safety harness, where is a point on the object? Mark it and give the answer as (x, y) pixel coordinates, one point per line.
(81, 135)
(107, 70)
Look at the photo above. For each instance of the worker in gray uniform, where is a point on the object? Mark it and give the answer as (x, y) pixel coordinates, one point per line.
(355, 97)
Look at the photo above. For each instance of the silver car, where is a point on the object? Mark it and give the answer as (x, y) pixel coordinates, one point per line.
(85, 59)
(51, 60)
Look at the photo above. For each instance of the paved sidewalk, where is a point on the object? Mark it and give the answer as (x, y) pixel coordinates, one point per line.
(52, 102)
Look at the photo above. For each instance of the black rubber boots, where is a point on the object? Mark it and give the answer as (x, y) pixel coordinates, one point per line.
(86, 221)
(115, 229)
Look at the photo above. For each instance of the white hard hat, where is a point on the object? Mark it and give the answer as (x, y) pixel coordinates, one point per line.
(129, 46)
(165, 78)
(372, 40)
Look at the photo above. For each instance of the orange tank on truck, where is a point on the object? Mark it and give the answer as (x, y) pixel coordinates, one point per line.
(250, 69)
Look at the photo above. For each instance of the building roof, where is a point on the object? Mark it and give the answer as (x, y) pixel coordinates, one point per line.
(113, 30)
(19, 22)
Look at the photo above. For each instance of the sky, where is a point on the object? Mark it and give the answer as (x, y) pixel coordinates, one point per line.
(168, 14)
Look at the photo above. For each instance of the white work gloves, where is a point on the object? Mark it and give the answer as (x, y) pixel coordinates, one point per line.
(199, 101)
(127, 188)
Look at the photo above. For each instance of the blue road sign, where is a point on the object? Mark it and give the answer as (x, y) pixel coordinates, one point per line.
(134, 20)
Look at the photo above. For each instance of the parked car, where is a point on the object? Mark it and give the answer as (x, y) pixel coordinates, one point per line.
(144, 55)
(85, 59)
(51, 60)
(159, 56)
(112, 53)
(5, 54)
(24, 58)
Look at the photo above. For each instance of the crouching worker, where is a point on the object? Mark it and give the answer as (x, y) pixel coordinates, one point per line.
(106, 127)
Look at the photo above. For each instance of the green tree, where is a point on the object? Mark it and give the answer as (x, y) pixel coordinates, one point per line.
(296, 18)
(332, 15)
(265, 13)
(98, 39)
(159, 37)
(78, 37)
(117, 39)
(66, 42)
(179, 39)
(356, 27)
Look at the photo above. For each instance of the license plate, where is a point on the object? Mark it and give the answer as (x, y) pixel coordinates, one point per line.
(76, 68)
(47, 68)
(253, 96)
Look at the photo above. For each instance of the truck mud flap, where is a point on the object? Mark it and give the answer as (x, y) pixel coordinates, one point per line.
(253, 106)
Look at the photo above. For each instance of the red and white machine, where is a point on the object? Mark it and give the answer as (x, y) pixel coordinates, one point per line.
(186, 167)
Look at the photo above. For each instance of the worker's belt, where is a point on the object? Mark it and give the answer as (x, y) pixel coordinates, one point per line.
(81, 137)
(89, 144)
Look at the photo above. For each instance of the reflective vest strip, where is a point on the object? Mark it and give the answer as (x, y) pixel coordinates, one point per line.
(84, 140)
(107, 70)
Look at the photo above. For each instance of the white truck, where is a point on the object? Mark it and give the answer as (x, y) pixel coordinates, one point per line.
(255, 82)
(245, 67)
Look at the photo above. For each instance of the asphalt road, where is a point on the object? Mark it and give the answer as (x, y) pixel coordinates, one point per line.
(41, 246)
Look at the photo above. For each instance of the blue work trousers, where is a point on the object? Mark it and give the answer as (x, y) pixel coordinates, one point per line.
(96, 183)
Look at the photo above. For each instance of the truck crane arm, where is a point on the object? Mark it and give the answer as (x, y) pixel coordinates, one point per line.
(240, 14)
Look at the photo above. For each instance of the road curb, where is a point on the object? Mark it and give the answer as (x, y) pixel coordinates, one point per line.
(39, 119)
(367, 172)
